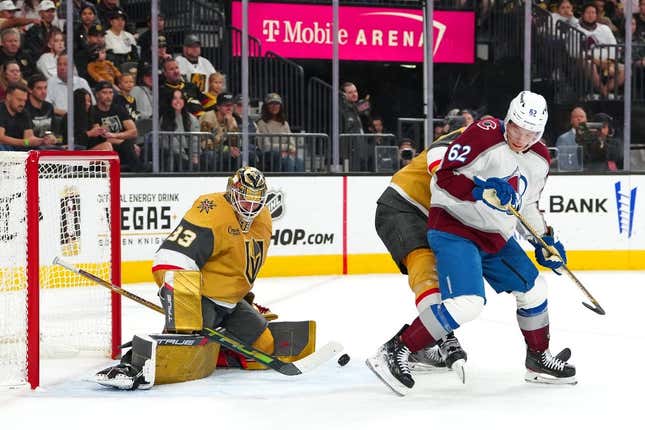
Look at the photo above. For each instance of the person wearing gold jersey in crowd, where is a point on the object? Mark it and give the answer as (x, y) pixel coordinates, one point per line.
(401, 217)
(204, 269)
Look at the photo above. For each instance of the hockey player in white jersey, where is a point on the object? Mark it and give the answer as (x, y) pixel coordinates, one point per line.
(491, 165)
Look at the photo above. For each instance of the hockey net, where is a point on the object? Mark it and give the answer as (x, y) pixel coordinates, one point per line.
(66, 204)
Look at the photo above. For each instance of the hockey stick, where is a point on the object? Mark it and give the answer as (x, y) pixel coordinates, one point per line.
(596, 307)
(298, 367)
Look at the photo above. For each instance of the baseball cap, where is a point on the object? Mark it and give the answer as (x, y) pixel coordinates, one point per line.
(46, 5)
(101, 85)
(191, 39)
(7, 5)
(273, 98)
(95, 30)
(225, 99)
(118, 13)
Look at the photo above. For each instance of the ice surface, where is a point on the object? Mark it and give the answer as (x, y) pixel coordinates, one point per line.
(362, 312)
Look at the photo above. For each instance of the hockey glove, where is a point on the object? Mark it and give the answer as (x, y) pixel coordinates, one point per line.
(546, 257)
(495, 192)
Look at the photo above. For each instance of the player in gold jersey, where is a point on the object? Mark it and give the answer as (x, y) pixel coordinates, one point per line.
(204, 269)
(401, 217)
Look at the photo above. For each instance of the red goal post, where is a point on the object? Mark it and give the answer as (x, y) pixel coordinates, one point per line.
(57, 203)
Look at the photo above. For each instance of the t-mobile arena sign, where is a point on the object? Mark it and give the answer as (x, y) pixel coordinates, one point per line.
(366, 33)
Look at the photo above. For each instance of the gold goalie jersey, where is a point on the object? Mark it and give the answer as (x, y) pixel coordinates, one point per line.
(413, 181)
(209, 239)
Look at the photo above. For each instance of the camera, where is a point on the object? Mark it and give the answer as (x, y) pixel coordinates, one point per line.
(407, 154)
(587, 132)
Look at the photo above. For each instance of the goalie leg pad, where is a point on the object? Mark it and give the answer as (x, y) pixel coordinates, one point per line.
(183, 358)
(182, 301)
(292, 341)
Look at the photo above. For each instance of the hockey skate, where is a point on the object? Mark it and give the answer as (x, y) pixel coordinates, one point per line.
(139, 373)
(448, 353)
(542, 367)
(390, 364)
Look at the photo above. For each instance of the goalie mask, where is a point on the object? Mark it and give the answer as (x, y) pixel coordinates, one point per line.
(246, 191)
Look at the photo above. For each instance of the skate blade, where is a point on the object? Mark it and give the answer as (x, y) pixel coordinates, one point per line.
(426, 368)
(459, 367)
(383, 373)
(541, 378)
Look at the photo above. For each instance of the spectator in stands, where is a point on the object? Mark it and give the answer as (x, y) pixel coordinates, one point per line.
(606, 73)
(238, 113)
(119, 128)
(124, 98)
(567, 143)
(216, 86)
(162, 54)
(16, 133)
(30, 9)
(37, 36)
(8, 18)
(604, 17)
(105, 9)
(145, 39)
(143, 93)
(469, 116)
(55, 46)
(82, 56)
(100, 68)
(121, 46)
(640, 20)
(279, 153)
(377, 128)
(564, 13)
(172, 80)
(9, 74)
(40, 110)
(222, 152)
(11, 50)
(86, 134)
(81, 31)
(193, 66)
(57, 86)
(181, 150)
(350, 147)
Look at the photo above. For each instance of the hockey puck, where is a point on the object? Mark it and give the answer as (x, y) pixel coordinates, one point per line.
(343, 359)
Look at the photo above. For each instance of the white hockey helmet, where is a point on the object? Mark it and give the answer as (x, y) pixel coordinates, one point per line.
(247, 192)
(529, 111)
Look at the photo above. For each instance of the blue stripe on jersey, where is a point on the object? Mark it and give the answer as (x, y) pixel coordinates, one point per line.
(533, 311)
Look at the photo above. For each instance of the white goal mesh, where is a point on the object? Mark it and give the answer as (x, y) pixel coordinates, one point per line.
(75, 223)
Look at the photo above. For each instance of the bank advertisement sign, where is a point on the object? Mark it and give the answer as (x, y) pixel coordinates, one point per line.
(365, 34)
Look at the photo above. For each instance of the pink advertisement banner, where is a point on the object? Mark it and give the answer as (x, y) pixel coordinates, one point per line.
(366, 33)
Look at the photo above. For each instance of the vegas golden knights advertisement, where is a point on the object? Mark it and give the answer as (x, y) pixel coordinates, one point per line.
(70, 221)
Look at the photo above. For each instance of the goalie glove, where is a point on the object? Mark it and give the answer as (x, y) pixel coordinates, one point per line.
(495, 193)
(554, 256)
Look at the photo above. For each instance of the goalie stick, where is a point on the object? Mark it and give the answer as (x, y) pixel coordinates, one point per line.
(596, 306)
(298, 367)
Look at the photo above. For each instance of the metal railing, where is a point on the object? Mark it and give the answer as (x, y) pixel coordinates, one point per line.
(319, 111)
(212, 152)
(288, 79)
(358, 153)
